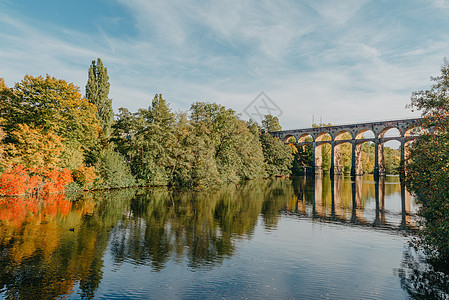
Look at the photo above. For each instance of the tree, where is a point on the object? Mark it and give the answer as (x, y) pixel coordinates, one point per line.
(124, 130)
(270, 123)
(302, 159)
(237, 151)
(97, 92)
(427, 171)
(278, 156)
(152, 144)
(2, 150)
(113, 170)
(195, 156)
(33, 148)
(56, 110)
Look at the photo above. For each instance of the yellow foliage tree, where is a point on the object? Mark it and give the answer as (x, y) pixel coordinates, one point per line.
(54, 112)
(32, 148)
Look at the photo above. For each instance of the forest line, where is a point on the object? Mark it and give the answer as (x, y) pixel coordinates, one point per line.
(51, 137)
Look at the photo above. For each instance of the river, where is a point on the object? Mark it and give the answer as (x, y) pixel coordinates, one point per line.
(299, 238)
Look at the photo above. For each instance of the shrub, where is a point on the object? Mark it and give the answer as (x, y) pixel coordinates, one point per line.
(31, 181)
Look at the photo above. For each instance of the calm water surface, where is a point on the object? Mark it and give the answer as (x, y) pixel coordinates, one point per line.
(282, 239)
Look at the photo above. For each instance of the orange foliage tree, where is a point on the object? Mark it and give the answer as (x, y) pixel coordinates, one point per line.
(31, 181)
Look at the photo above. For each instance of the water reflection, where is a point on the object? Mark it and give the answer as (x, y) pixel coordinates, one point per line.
(421, 278)
(359, 202)
(54, 247)
(199, 226)
(41, 258)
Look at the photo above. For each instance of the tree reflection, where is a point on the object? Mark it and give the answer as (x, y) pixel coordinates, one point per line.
(41, 256)
(423, 279)
(200, 226)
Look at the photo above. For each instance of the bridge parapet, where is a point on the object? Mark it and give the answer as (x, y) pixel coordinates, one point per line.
(355, 130)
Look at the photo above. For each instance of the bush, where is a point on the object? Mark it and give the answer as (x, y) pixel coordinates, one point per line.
(85, 177)
(113, 170)
(33, 181)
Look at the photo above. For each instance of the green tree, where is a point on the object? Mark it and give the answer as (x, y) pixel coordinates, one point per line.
(278, 156)
(302, 159)
(124, 130)
(237, 151)
(195, 156)
(392, 160)
(427, 171)
(113, 170)
(153, 143)
(97, 92)
(270, 123)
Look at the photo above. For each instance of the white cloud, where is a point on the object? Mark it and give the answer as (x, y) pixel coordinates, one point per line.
(312, 58)
(339, 12)
(441, 3)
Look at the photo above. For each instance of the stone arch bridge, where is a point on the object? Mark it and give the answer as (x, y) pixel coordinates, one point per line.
(353, 134)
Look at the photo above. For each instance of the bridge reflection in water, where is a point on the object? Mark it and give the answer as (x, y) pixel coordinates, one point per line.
(384, 203)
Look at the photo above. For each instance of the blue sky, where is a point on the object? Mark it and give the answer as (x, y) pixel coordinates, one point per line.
(341, 61)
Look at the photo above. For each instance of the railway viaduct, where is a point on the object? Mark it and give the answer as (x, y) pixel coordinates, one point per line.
(338, 135)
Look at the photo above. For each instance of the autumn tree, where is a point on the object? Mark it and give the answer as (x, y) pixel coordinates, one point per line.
(32, 148)
(97, 92)
(54, 109)
(427, 173)
(4, 96)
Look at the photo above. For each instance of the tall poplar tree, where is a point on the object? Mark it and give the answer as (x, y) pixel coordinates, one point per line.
(97, 92)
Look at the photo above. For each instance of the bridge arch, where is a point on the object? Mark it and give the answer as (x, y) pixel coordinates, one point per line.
(322, 143)
(391, 131)
(365, 133)
(302, 138)
(323, 136)
(288, 137)
(340, 135)
(413, 130)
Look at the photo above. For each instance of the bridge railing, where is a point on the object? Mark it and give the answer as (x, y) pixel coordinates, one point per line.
(353, 124)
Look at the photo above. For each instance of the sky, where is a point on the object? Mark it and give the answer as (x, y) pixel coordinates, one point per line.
(339, 62)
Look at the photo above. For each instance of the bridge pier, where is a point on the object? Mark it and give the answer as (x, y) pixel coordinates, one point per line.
(313, 158)
(318, 159)
(402, 165)
(332, 170)
(353, 167)
(376, 158)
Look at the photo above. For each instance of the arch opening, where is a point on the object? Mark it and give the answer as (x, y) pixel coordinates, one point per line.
(343, 135)
(391, 156)
(287, 138)
(389, 132)
(342, 158)
(323, 152)
(365, 134)
(416, 131)
(305, 137)
(323, 136)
